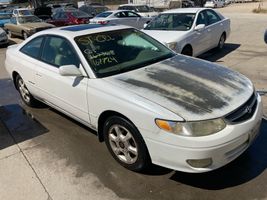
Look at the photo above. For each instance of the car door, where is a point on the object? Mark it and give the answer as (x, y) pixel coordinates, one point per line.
(214, 26)
(136, 19)
(201, 38)
(29, 58)
(123, 18)
(65, 92)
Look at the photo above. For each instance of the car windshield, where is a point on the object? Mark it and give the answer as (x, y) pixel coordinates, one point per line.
(5, 16)
(114, 52)
(28, 19)
(104, 14)
(172, 21)
(79, 14)
(142, 9)
(24, 12)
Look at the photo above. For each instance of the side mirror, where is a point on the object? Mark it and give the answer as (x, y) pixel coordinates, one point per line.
(199, 27)
(145, 25)
(69, 70)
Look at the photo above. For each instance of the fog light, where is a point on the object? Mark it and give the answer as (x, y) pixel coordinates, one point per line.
(200, 163)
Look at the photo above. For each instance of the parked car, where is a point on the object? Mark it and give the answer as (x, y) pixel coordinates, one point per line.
(124, 17)
(188, 4)
(4, 18)
(3, 38)
(93, 10)
(145, 101)
(22, 12)
(190, 31)
(25, 26)
(140, 9)
(214, 4)
(69, 17)
(43, 12)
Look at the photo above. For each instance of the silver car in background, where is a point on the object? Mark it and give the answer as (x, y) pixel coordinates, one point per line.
(123, 17)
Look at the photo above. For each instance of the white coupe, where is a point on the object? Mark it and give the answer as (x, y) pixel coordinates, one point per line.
(190, 31)
(147, 103)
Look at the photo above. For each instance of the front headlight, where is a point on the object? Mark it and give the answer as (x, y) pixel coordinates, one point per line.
(193, 129)
(172, 45)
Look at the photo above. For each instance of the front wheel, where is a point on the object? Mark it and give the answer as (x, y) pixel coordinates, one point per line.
(10, 35)
(24, 35)
(126, 144)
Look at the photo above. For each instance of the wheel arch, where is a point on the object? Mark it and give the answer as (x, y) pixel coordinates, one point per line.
(14, 77)
(103, 117)
(188, 46)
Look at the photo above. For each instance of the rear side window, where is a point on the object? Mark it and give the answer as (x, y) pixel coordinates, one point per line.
(212, 17)
(104, 14)
(33, 47)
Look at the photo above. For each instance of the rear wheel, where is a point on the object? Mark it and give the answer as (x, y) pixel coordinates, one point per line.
(126, 144)
(25, 93)
(221, 42)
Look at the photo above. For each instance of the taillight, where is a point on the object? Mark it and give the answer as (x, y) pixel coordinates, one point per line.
(103, 22)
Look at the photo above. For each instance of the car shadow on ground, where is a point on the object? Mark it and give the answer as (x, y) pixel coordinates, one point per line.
(214, 55)
(18, 125)
(245, 168)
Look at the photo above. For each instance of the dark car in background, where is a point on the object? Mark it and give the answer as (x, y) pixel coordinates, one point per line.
(69, 17)
(93, 10)
(43, 12)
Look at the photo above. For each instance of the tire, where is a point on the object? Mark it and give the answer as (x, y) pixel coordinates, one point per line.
(10, 35)
(25, 94)
(24, 35)
(221, 42)
(126, 144)
(187, 50)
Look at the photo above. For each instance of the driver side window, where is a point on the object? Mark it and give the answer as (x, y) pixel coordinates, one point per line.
(13, 20)
(58, 51)
(201, 19)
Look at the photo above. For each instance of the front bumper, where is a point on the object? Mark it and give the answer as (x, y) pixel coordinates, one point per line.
(221, 148)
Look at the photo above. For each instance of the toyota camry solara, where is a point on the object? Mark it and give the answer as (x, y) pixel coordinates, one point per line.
(147, 103)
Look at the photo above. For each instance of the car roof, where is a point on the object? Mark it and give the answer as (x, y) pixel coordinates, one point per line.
(77, 30)
(185, 10)
(22, 9)
(133, 5)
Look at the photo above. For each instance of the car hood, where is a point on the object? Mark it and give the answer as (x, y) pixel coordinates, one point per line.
(165, 36)
(189, 87)
(37, 25)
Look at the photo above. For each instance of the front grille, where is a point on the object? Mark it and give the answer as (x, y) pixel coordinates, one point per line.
(244, 112)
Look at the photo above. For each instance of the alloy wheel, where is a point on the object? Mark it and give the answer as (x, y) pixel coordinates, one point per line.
(123, 144)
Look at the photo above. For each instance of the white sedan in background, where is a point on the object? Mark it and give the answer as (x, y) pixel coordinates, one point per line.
(146, 102)
(122, 17)
(190, 31)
